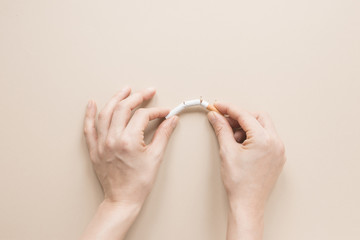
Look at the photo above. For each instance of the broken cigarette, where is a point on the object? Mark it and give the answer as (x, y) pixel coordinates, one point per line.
(190, 103)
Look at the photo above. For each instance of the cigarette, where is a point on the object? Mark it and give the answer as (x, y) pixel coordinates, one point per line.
(191, 103)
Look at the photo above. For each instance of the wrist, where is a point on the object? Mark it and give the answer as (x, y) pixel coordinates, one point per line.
(120, 212)
(248, 209)
(112, 220)
(121, 205)
(245, 221)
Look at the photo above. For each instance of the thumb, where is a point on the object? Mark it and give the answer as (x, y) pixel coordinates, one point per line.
(162, 135)
(222, 128)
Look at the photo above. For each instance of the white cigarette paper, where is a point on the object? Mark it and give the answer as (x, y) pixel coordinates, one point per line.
(186, 104)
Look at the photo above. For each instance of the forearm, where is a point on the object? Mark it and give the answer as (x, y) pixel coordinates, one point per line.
(111, 221)
(245, 223)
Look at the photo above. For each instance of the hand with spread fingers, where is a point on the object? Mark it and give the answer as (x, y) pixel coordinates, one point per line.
(125, 166)
(252, 158)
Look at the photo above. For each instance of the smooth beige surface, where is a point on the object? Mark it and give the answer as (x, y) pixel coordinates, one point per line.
(298, 60)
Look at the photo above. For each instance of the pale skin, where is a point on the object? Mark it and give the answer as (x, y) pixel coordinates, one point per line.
(252, 157)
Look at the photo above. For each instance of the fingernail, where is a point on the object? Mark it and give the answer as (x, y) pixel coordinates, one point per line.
(174, 121)
(89, 104)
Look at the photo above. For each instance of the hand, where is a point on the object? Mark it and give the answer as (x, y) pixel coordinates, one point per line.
(251, 161)
(125, 166)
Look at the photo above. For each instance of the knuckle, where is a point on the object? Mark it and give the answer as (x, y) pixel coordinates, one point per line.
(109, 143)
(100, 150)
(267, 140)
(120, 105)
(141, 112)
(86, 131)
(93, 156)
(125, 144)
(102, 115)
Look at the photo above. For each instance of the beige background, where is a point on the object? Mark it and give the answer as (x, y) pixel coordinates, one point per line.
(298, 60)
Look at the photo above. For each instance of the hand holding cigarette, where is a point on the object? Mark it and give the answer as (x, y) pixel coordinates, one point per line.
(125, 166)
(250, 166)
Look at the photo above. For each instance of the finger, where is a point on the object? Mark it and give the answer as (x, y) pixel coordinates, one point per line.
(89, 127)
(222, 129)
(239, 133)
(142, 116)
(240, 136)
(233, 123)
(265, 120)
(162, 135)
(106, 113)
(122, 112)
(244, 118)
